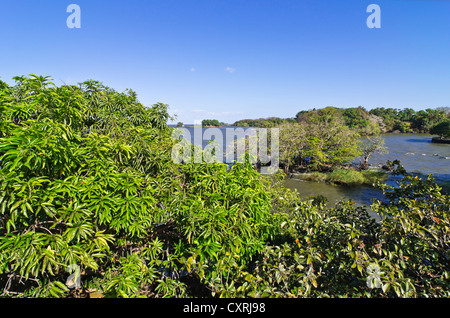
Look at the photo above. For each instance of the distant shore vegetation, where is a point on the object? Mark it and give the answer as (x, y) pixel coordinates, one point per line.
(367, 122)
(212, 123)
(330, 138)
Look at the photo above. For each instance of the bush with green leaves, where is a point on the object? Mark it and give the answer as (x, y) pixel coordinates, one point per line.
(345, 252)
(320, 141)
(86, 179)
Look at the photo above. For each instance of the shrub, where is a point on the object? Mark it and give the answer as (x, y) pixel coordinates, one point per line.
(344, 252)
(87, 182)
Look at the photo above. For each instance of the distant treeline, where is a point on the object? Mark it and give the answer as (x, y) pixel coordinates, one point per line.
(212, 122)
(409, 120)
(368, 122)
(263, 122)
(93, 204)
(332, 138)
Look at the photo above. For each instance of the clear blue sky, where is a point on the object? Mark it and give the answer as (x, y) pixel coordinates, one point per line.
(235, 59)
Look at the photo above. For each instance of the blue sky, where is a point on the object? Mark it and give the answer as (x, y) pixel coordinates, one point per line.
(236, 59)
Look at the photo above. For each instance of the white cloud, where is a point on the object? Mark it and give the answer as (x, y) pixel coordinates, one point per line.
(230, 69)
(192, 69)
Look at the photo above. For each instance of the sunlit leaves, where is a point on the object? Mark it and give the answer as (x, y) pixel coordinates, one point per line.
(70, 188)
(416, 234)
(87, 181)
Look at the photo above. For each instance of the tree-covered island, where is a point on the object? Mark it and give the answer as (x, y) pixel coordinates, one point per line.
(335, 145)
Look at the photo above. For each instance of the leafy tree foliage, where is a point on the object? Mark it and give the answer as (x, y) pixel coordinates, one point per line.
(442, 129)
(331, 142)
(212, 122)
(73, 161)
(371, 145)
(87, 180)
(345, 252)
(355, 117)
(263, 122)
(408, 120)
(88, 188)
(321, 141)
(293, 142)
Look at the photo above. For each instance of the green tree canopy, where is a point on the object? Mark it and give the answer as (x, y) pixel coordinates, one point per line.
(442, 129)
(212, 122)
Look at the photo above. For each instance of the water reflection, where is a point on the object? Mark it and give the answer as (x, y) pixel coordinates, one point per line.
(418, 140)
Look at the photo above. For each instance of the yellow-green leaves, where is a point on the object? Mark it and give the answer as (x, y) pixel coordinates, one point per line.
(76, 171)
(87, 180)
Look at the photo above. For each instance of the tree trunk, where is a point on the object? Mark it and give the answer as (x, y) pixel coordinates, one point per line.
(366, 163)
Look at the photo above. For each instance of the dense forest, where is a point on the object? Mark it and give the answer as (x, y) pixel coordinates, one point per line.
(92, 204)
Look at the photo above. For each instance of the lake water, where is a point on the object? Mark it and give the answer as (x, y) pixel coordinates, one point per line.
(416, 152)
